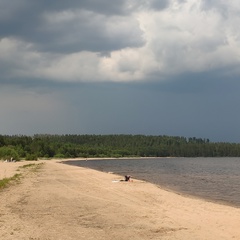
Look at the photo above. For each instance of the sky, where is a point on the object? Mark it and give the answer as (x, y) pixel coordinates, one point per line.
(151, 67)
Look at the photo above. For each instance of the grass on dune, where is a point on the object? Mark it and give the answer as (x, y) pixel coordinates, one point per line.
(6, 181)
(34, 167)
(15, 179)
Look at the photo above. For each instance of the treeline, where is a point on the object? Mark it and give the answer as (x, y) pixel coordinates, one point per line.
(73, 146)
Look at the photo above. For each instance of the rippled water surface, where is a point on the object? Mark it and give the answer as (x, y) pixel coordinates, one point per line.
(216, 179)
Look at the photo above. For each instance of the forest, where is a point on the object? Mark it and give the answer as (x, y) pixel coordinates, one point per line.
(44, 146)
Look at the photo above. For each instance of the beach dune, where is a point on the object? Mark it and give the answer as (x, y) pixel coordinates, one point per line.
(59, 201)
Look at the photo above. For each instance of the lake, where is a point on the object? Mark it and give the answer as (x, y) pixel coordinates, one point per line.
(214, 179)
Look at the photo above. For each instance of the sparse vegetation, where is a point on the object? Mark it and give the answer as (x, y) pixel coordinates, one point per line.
(6, 181)
(28, 165)
(32, 166)
(15, 179)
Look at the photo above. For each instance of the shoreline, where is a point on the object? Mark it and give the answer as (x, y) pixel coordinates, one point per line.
(13, 169)
(67, 202)
(169, 189)
(9, 172)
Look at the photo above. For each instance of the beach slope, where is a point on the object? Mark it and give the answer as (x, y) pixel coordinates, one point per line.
(58, 201)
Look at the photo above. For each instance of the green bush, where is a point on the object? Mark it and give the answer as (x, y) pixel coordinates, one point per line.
(30, 157)
(59, 155)
(8, 153)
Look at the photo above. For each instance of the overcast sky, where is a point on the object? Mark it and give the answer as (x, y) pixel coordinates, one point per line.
(154, 67)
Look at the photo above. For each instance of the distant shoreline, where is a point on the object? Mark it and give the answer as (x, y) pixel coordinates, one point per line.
(104, 158)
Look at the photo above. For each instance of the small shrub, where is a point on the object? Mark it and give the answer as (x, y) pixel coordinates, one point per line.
(59, 155)
(30, 157)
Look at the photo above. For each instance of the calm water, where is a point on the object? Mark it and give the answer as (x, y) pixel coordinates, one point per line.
(215, 179)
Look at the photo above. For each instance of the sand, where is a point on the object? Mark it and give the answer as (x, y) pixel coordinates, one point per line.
(59, 201)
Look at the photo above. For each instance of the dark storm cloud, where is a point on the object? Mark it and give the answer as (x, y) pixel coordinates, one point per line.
(15, 8)
(158, 5)
(158, 108)
(123, 41)
(222, 7)
(127, 66)
(100, 6)
(88, 29)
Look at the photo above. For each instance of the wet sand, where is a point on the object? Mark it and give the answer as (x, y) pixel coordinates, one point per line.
(59, 201)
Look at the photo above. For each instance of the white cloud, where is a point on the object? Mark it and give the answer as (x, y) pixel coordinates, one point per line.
(183, 37)
(186, 38)
(74, 67)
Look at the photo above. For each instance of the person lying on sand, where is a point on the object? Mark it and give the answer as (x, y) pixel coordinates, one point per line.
(127, 178)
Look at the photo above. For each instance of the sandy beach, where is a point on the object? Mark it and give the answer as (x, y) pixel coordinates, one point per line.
(58, 201)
